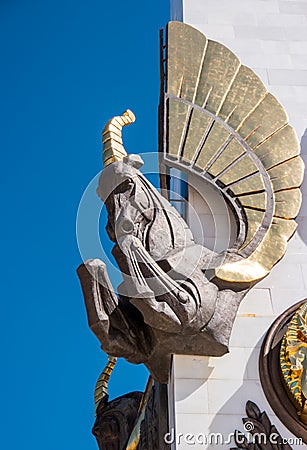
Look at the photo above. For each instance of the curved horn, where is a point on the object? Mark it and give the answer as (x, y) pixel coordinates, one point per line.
(101, 389)
(113, 149)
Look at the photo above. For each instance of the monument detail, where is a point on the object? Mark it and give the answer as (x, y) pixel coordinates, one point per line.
(222, 125)
(218, 123)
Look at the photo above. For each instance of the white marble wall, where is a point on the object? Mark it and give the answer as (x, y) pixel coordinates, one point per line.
(269, 36)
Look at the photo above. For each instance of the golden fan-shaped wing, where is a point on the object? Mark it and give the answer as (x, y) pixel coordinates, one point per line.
(221, 123)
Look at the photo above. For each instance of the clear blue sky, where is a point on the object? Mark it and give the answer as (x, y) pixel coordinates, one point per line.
(66, 68)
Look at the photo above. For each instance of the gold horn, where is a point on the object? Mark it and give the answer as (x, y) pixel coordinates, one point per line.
(101, 389)
(113, 148)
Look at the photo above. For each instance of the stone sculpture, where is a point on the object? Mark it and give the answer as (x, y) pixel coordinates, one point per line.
(137, 420)
(166, 302)
(219, 123)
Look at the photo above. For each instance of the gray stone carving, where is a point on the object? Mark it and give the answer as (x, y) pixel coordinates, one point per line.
(134, 420)
(115, 420)
(166, 303)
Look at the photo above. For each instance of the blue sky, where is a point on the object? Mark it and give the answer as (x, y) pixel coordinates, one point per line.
(66, 68)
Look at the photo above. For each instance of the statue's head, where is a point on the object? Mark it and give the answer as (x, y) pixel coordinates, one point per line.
(136, 209)
(120, 186)
(128, 201)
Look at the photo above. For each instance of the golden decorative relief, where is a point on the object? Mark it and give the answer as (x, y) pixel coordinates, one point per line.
(281, 147)
(288, 175)
(254, 201)
(234, 150)
(199, 125)
(223, 124)
(238, 171)
(213, 75)
(263, 123)
(253, 184)
(192, 44)
(216, 138)
(245, 94)
(293, 361)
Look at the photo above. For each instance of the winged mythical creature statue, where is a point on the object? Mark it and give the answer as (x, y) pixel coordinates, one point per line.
(218, 123)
